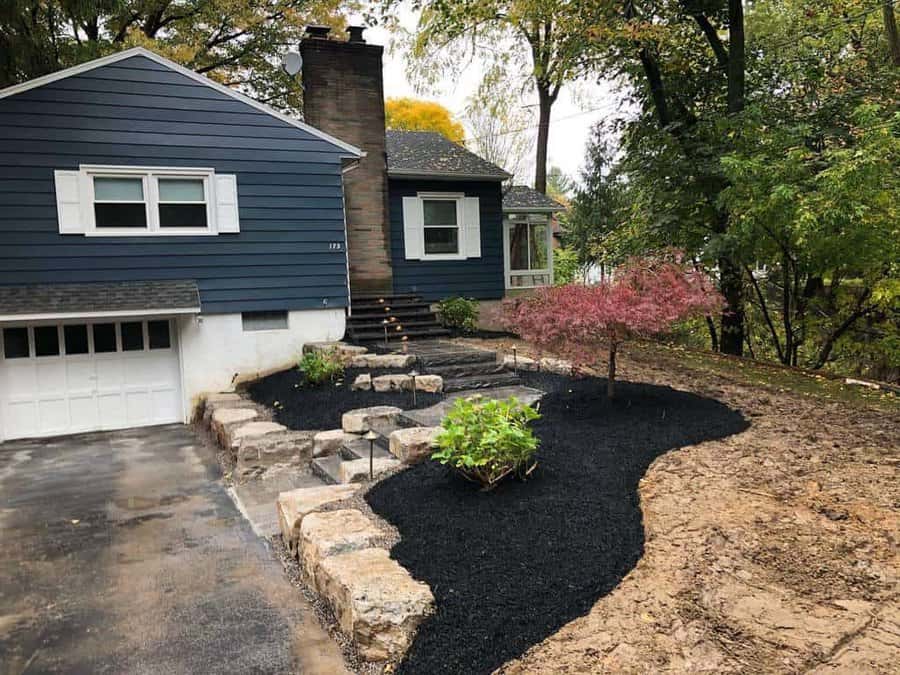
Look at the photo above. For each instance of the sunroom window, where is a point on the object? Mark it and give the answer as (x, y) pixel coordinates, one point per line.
(529, 253)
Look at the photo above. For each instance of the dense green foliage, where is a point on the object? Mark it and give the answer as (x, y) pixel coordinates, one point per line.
(233, 41)
(459, 314)
(792, 194)
(565, 266)
(487, 440)
(320, 367)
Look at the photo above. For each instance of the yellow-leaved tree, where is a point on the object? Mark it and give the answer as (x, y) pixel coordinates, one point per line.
(410, 114)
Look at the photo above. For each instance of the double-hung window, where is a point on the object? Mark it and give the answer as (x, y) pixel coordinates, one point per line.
(136, 201)
(440, 220)
(441, 226)
(528, 250)
(150, 201)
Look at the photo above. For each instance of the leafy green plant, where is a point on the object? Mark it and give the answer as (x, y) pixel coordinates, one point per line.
(319, 367)
(459, 313)
(488, 440)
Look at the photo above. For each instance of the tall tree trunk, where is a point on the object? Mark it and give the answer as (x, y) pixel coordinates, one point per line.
(890, 27)
(545, 104)
(611, 374)
(730, 280)
(736, 56)
(731, 339)
(713, 335)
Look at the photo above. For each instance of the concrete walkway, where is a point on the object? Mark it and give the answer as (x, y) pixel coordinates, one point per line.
(122, 552)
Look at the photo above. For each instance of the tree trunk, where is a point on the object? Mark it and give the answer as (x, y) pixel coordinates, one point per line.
(890, 27)
(611, 376)
(731, 338)
(736, 56)
(545, 103)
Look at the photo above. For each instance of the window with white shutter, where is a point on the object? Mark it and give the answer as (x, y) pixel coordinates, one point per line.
(441, 226)
(126, 201)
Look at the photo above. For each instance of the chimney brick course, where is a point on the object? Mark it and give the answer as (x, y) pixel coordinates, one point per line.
(344, 96)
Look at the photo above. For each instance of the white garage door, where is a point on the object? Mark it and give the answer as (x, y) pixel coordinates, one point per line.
(73, 377)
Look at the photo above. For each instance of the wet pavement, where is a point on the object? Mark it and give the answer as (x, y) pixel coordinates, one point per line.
(122, 552)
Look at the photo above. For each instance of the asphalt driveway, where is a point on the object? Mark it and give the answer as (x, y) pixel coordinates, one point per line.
(121, 552)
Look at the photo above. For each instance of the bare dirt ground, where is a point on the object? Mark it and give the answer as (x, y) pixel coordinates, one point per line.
(774, 550)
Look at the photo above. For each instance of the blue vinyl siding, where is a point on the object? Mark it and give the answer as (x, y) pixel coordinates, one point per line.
(480, 278)
(138, 112)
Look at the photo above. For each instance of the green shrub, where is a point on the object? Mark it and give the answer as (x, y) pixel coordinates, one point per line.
(565, 266)
(319, 367)
(459, 313)
(488, 440)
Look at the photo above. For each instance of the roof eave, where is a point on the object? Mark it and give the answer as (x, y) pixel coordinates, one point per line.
(350, 150)
(533, 209)
(409, 174)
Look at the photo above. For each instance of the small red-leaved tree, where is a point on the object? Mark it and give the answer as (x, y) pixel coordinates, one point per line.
(645, 298)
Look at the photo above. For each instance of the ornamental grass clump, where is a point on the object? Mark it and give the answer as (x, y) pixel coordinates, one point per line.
(319, 367)
(487, 440)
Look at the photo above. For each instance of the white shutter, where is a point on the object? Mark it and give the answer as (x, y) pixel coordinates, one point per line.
(226, 203)
(413, 228)
(68, 202)
(472, 227)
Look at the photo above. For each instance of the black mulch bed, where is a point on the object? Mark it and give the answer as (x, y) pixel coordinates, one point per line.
(511, 567)
(306, 407)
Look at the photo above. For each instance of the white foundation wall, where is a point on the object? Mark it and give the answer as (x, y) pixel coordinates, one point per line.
(216, 351)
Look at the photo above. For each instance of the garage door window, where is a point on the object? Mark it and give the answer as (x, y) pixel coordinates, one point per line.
(132, 336)
(46, 341)
(104, 338)
(76, 339)
(158, 334)
(15, 343)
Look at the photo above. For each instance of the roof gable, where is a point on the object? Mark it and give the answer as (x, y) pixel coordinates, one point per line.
(428, 154)
(523, 198)
(348, 150)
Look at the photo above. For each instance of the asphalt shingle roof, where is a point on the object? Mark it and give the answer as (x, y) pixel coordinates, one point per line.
(427, 153)
(73, 299)
(522, 197)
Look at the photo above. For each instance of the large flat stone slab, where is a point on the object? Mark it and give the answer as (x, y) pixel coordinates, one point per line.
(414, 444)
(434, 415)
(293, 506)
(256, 454)
(357, 470)
(375, 601)
(346, 352)
(224, 421)
(329, 442)
(253, 430)
(376, 361)
(358, 421)
(328, 533)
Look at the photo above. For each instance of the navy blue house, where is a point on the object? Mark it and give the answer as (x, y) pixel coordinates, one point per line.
(162, 235)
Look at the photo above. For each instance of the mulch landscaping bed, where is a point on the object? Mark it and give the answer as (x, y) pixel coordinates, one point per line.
(301, 406)
(510, 567)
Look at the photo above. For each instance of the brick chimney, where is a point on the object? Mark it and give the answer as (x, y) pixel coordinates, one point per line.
(343, 95)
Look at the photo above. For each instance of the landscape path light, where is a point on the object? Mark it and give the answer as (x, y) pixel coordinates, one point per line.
(413, 374)
(371, 436)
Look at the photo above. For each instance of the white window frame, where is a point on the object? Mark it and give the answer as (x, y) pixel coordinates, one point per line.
(508, 273)
(456, 197)
(150, 177)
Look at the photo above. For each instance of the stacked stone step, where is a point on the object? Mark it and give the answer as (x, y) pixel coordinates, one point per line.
(374, 599)
(343, 455)
(463, 368)
(254, 443)
(374, 317)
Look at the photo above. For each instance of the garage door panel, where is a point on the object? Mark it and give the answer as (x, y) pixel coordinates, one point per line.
(111, 408)
(20, 418)
(49, 395)
(53, 415)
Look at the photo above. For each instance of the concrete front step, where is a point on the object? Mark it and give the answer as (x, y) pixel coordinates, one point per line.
(358, 448)
(504, 379)
(452, 357)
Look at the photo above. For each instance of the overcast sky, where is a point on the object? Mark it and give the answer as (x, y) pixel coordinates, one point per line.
(571, 120)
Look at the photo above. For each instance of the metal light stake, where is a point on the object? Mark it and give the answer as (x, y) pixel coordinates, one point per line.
(385, 324)
(413, 374)
(515, 361)
(371, 437)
